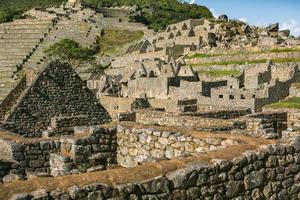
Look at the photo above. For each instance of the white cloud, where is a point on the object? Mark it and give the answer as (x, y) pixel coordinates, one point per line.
(243, 19)
(192, 1)
(293, 25)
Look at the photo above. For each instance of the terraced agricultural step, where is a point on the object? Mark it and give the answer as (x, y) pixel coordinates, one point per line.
(4, 75)
(7, 69)
(17, 52)
(21, 36)
(9, 62)
(24, 54)
(17, 45)
(20, 41)
(26, 26)
(25, 30)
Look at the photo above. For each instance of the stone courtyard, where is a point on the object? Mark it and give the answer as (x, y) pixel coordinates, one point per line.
(190, 112)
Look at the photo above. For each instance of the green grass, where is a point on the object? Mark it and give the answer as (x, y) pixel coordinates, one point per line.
(290, 103)
(112, 40)
(277, 50)
(220, 72)
(242, 62)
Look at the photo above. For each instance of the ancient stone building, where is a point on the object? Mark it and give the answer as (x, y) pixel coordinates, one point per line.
(53, 99)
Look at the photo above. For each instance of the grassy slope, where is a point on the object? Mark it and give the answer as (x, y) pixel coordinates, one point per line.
(290, 103)
(284, 50)
(242, 62)
(219, 72)
(112, 41)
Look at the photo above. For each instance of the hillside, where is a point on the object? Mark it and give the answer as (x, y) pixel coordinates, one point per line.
(11, 9)
(158, 14)
(155, 14)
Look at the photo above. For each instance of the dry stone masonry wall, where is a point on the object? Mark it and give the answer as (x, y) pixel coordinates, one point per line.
(270, 173)
(92, 152)
(167, 119)
(149, 144)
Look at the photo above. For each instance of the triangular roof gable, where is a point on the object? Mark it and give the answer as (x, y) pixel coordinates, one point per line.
(57, 91)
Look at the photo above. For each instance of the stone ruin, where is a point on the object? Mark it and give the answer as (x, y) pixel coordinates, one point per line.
(156, 129)
(54, 130)
(51, 100)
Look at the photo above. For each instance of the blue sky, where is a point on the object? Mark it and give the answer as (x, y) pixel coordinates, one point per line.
(259, 12)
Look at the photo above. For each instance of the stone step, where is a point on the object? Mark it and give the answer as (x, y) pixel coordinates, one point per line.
(24, 53)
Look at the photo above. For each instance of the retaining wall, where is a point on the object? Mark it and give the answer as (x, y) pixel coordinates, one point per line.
(139, 145)
(270, 173)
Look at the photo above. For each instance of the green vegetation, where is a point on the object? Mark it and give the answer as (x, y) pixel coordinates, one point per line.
(158, 14)
(220, 72)
(12, 9)
(112, 40)
(242, 62)
(72, 52)
(277, 50)
(290, 103)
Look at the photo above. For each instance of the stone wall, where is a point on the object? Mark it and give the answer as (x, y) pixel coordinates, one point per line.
(92, 148)
(272, 172)
(140, 145)
(266, 124)
(168, 119)
(32, 156)
(10, 171)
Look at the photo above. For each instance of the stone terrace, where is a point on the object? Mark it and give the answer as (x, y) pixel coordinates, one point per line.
(149, 175)
(18, 39)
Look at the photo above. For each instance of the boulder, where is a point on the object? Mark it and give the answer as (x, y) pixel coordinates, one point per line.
(223, 17)
(273, 28)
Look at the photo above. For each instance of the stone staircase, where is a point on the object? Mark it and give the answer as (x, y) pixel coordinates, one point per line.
(18, 40)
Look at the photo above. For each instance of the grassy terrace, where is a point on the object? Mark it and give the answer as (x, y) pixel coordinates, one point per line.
(277, 50)
(290, 103)
(219, 72)
(112, 40)
(242, 62)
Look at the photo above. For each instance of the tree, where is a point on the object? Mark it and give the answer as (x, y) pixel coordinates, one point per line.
(72, 52)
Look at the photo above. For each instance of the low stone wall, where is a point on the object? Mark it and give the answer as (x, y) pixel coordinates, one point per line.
(10, 170)
(168, 119)
(222, 114)
(138, 145)
(90, 149)
(34, 157)
(266, 124)
(270, 173)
